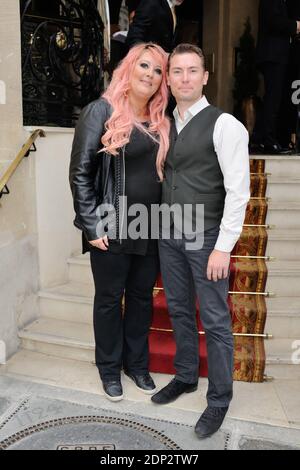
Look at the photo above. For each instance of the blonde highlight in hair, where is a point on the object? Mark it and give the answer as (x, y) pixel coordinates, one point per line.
(120, 124)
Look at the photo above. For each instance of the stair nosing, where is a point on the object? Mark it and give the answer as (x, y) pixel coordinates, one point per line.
(66, 297)
(56, 340)
(284, 205)
(37, 336)
(283, 179)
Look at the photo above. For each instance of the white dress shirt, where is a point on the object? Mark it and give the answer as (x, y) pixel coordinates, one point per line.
(231, 140)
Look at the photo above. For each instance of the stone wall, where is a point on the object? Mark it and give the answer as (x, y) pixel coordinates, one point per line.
(18, 232)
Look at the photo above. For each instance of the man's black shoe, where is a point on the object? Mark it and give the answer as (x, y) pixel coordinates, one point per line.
(172, 391)
(210, 421)
(143, 382)
(256, 149)
(276, 149)
(113, 390)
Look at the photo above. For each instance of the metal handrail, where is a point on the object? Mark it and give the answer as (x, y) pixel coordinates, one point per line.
(24, 152)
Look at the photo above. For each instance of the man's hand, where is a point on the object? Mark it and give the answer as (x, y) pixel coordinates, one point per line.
(298, 27)
(101, 243)
(218, 265)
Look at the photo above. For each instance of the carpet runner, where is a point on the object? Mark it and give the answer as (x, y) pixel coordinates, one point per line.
(248, 277)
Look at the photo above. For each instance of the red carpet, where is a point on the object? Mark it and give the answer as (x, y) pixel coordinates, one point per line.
(248, 311)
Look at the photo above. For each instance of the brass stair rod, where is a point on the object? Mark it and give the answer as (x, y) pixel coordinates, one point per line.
(260, 225)
(264, 294)
(261, 198)
(202, 333)
(267, 258)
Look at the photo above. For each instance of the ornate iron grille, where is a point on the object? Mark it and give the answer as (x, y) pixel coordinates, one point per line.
(62, 59)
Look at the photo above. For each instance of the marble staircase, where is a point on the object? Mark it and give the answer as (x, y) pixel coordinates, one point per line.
(64, 328)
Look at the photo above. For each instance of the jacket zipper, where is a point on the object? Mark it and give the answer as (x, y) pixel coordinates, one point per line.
(123, 211)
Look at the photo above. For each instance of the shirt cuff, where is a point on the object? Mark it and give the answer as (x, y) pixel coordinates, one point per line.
(226, 242)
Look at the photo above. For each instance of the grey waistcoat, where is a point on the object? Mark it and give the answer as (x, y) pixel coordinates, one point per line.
(192, 171)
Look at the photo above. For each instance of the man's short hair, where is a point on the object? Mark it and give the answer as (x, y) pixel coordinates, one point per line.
(187, 49)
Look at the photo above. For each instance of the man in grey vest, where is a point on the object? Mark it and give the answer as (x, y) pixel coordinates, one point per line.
(207, 164)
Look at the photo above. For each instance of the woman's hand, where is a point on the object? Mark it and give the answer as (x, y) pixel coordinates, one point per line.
(101, 243)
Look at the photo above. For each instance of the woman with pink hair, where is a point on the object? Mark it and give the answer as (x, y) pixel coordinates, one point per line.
(117, 160)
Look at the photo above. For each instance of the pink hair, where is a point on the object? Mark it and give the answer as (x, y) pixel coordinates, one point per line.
(122, 120)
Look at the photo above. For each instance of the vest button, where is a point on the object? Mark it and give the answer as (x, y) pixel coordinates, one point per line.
(174, 187)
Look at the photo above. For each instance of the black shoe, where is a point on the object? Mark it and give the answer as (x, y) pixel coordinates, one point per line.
(143, 382)
(210, 421)
(113, 389)
(172, 391)
(276, 149)
(256, 149)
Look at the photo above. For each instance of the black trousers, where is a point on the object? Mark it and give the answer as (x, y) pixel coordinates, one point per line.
(274, 79)
(122, 340)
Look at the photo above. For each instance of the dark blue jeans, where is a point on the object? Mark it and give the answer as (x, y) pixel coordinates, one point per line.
(184, 278)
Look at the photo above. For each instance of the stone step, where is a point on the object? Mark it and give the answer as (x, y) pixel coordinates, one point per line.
(70, 373)
(283, 188)
(284, 215)
(283, 325)
(283, 351)
(73, 340)
(273, 403)
(70, 302)
(74, 302)
(283, 275)
(280, 165)
(284, 278)
(283, 305)
(283, 317)
(282, 372)
(284, 244)
(80, 269)
(58, 338)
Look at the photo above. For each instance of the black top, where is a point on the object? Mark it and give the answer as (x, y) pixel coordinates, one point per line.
(132, 5)
(294, 13)
(153, 22)
(274, 32)
(142, 186)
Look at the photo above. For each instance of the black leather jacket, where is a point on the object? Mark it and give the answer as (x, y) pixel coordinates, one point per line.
(95, 178)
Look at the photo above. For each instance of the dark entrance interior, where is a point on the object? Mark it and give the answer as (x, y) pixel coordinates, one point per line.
(190, 16)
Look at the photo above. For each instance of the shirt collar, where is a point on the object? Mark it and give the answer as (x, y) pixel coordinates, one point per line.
(193, 110)
(170, 3)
